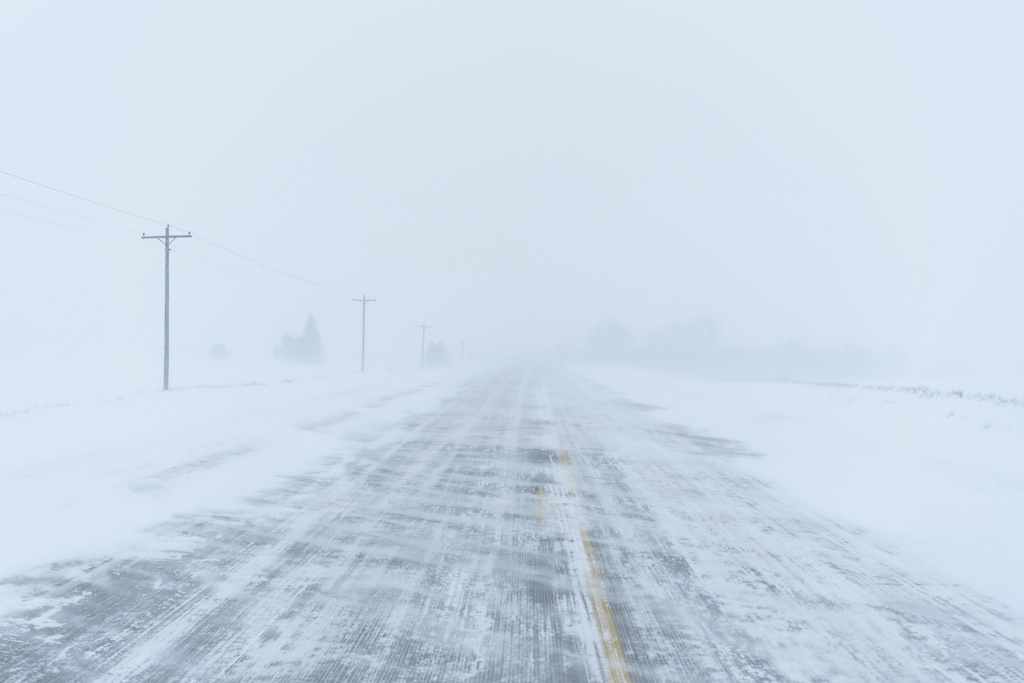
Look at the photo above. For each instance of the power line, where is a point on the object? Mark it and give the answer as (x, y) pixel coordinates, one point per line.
(69, 194)
(69, 227)
(197, 258)
(308, 294)
(264, 265)
(152, 220)
(201, 261)
(398, 314)
(69, 213)
(213, 263)
(331, 291)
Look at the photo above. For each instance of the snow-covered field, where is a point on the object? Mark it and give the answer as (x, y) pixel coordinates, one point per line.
(88, 477)
(938, 475)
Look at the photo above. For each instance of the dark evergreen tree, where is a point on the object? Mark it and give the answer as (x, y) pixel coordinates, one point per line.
(306, 348)
(436, 355)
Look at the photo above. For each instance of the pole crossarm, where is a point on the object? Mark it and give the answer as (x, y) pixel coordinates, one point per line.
(163, 238)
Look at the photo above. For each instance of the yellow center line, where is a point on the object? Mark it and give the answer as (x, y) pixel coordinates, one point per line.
(613, 654)
(614, 657)
(542, 505)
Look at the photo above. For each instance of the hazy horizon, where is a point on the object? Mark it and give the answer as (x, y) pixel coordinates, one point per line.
(830, 176)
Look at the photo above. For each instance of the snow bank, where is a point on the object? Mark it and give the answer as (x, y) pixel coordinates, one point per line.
(87, 479)
(937, 474)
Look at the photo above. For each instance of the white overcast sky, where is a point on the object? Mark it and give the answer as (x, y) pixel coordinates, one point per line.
(828, 172)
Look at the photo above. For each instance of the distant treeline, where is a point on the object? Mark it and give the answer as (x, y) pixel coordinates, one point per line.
(696, 347)
(306, 348)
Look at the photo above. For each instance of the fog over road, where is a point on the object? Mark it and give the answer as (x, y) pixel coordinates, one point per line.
(535, 528)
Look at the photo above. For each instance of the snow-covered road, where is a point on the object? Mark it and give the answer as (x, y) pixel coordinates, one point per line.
(533, 528)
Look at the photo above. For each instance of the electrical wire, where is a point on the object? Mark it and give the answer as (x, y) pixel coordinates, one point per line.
(191, 257)
(255, 275)
(76, 215)
(69, 227)
(309, 294)
(264, 265)
(69, 194)
(211, 263)
(399, 314)
(139, 216)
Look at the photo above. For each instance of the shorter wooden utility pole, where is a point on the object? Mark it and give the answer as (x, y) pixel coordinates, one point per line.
(423, 343)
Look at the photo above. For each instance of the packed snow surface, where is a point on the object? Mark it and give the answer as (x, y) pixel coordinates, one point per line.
(939, 472)
(87, 478)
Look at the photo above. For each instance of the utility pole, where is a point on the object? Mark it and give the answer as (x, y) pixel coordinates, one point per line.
(423, 344)
(462, 343)
(362, 360)
(167, 238)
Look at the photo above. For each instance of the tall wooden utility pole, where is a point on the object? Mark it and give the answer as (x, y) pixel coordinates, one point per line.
(362, 360)
(167, 238)
(423, 343)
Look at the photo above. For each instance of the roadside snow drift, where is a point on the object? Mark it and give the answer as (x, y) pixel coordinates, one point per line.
(939, 474)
